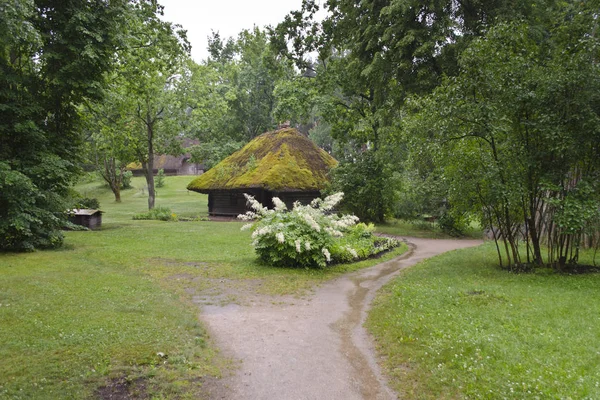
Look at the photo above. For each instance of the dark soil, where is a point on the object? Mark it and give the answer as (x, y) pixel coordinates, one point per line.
(123, 389)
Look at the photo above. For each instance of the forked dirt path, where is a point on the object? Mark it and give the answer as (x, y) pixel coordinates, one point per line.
(314, 348)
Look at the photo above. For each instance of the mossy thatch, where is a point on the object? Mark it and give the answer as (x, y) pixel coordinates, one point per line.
(279, 161)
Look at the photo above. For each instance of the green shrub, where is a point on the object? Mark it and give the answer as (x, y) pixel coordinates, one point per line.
(30, 217)
(160, 178)
(126, 180)
(360, 243)
(158, 213)
(452, 225)
(308, 235)
(88, 202)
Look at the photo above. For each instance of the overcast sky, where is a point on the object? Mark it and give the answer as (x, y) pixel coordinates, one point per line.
(228, 17)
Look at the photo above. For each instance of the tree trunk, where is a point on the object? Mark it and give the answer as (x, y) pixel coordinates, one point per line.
(150, 168)
(112, 175)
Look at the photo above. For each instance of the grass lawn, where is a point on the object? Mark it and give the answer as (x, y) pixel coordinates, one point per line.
(100, 310)
(456, 326)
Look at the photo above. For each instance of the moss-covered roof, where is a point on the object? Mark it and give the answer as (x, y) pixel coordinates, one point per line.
(282, 161)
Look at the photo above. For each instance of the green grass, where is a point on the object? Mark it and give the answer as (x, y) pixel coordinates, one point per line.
(457, 326)
(104, 305)
(134, 201)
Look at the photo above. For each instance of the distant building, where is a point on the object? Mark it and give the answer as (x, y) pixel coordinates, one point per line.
(172, 165)
(282, 163)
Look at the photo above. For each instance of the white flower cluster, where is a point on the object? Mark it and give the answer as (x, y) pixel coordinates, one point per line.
(279, 236)
(326, 254)
(345, 222)
(308, 229)
(255, 205)
(331, 201)
(352, 252)
(311, 221)
(333, 232)
(298, 244)
(248, 216)
(265, 230)
(279, 205)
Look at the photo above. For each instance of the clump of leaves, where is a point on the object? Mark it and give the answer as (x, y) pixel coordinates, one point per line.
(126, 180)
(310, 235)
(160, 178)
(158, 213)
(88, 202)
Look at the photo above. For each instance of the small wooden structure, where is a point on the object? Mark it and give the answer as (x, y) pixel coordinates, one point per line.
(283, 163)
(91, 219)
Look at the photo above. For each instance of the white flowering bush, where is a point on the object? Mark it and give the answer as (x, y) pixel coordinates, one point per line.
(306, 236)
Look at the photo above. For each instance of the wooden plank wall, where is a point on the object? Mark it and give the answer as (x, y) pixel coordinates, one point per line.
(232, 202)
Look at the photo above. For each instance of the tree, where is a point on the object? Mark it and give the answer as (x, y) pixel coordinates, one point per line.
(149, 69)
(231, 95)
(517, 135)
(53, 56)
(108, 128)
(247, 72)
(373, 54)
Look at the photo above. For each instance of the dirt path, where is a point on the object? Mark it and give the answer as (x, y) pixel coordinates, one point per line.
(312, 348)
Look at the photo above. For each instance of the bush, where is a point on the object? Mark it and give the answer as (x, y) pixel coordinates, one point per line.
(452, 225)
(368, 182)
(126, 180)
(360, 243)
(307, 236)
(158, 213)
(30, 217)
(160, 178)
(88, 202)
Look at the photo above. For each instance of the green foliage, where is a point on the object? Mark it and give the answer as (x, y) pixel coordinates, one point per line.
(160, 178)
(53, 57)
(453, 223)
(310, 235)
(320, 134)
(126, 180)
(232, 93)
(372, 56)
(211, 153)
(295, 100)
(143, 109)
(28, 219)
(88, 202)
(157, 213)
(516, 134)
(360, 243)
(368, 183)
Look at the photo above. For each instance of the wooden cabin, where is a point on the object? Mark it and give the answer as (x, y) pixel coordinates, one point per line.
(283, 163)
(172, 165)
(91, 219)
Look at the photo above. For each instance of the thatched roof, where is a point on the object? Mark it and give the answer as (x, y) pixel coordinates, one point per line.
(282, 161)
(168, 162)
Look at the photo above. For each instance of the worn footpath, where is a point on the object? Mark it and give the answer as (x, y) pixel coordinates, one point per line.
(313, 347)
